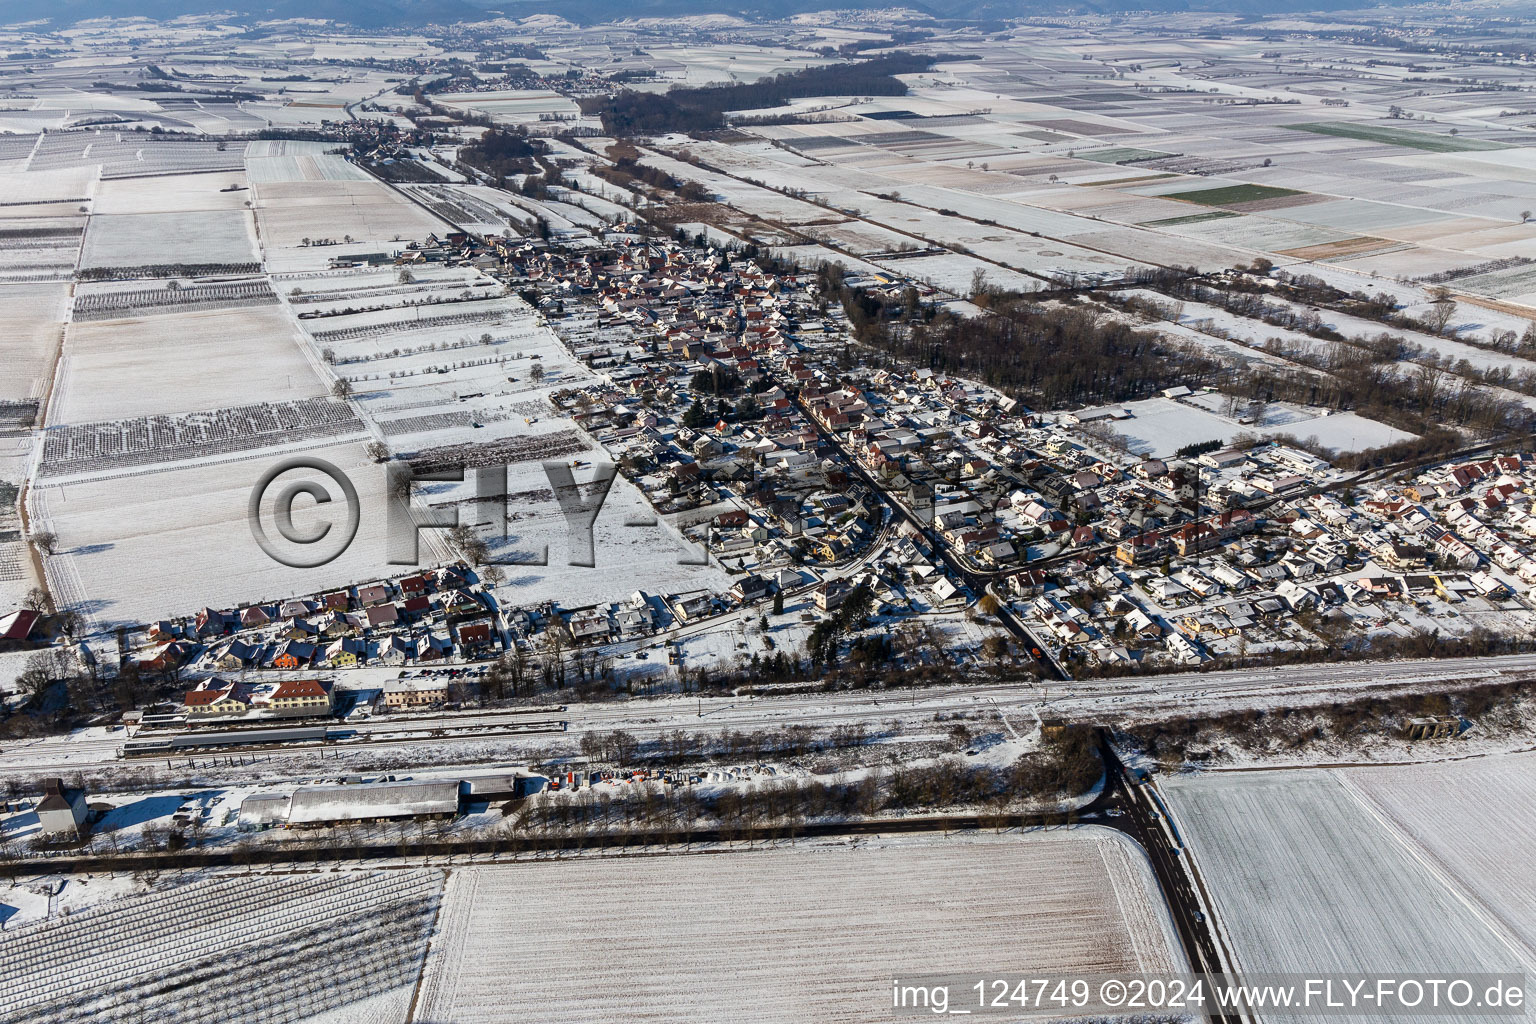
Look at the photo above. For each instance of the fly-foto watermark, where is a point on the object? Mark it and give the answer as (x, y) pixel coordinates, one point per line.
(318, 487)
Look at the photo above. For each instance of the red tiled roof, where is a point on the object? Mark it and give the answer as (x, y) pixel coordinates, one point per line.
(201, 698)
(18, 625)
(293, 688)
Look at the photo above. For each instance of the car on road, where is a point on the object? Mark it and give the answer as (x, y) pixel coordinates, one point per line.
(1200, 916)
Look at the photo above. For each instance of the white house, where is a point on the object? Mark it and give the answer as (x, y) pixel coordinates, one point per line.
(61, 811)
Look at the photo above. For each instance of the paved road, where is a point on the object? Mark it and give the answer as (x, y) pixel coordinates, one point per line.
(1126, 806)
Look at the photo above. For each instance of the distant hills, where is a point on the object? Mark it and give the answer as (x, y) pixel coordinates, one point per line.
(414, 13)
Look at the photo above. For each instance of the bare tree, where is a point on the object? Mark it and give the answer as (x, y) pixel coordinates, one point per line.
(47, 541)
(69, 622)
(43, 671)
(469, 543)
(1439, 315)
(1430, 381)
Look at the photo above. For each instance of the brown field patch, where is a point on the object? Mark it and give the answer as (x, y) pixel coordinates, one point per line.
(1279, 202)
(1343, 247)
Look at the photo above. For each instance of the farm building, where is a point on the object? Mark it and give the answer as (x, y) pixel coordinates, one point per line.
(321, 806)
(316, 806)
(502, 785)
(263, 811)
(17, 629)
(61, 810)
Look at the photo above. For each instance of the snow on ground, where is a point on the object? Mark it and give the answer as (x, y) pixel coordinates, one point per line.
(1161, 426)
(310, 944)
(1304, 878)
(790, 932)
(146, 239)
(229, 358)
(35, 898)
(1487, 854)
(34, 312)
(172, 193)
(119, 535)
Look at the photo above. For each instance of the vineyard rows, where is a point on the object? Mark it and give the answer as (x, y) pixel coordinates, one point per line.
(236, 949)
(115, 305)
(94, 446)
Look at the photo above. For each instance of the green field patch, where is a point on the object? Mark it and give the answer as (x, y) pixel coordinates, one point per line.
(1227, 195)
(1427, 141)
(1120, 155)
(1192, 218)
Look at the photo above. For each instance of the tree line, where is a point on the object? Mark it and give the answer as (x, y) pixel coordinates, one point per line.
(702, 108)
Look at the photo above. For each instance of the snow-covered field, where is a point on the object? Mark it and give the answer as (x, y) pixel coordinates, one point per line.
(1306, 878)
(805, 932)
(290, 211)
(1161, 426)
(178, 193)
(1475, 820)
(149, 239)
(34, 316)
(138, 545)
(183, 362)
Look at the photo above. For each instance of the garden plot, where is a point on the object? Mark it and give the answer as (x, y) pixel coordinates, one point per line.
(1517, 284)
(132, 154)
(1252, 232)
(181, 362)
(204, 238)
(724, 932)
(622, 557)
(16, 149)
(1487, 855)
(859, 238)
(472, 207)
(108, 446)
(812, 256)
(1305, 878)
(293, 160)
(439, 352)
(367, 287)
(121, 299)
(35, 314)
(317, 943)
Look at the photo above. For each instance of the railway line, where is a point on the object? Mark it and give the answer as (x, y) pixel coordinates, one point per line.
(1103, 701)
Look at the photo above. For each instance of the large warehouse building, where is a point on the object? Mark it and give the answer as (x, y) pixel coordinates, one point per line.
(322, 806)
